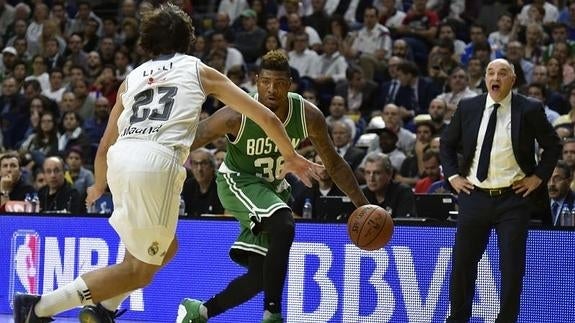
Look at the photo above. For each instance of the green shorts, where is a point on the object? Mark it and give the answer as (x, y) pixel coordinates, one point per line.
(249, 199)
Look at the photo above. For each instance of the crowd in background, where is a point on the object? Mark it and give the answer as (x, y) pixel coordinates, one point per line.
(387, 74)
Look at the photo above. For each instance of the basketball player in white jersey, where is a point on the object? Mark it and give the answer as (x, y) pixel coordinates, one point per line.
(146, 142)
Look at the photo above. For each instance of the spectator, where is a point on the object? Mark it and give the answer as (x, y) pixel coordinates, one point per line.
(301, 58)
(359, 93)
(72, 133)
(324, 186)
(537, 91)
(523, 67)
(478, 36)
(560, 195)
(319, 19)
(12, 185)
(200, 193)
(56, 88)
(9, 59)
(372, 45)
(13, 114)
(58, 195)
(39, 179)
(250, 39)
(555, 100)
(476, 75)
(381, 190)
(431, 171)
(75, 52)
(437, 113)
(458, 90)
(338, 112)
(419, 29)
(392, 120)
(551, 13)
(39, 72)
(232, 56)
(534, 37)
(388, 90)
(107, 49)
(44, 141)
(34, 30)
(387, 145)
(390, 16)
(415, 93)
(94, 67)
(81, 177)
(82, 18)
(296, 27)
(122, 63)
(447, 31)
(330, 67)
(343, 141)
(91, 38)
(500, 38)
(413, 167)
(273, 28)
(6, 16)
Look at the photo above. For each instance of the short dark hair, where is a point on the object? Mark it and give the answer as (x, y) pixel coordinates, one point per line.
(166, 30)
(408, 67)
(9, 155)
(540, 86)
(275, 60)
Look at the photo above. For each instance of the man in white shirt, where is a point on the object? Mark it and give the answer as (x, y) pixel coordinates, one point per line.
(372, 45)
(296, 27)
(301, 58)
(233, 56)
(331, 65)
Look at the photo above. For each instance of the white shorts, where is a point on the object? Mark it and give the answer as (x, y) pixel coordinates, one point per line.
(146, 181)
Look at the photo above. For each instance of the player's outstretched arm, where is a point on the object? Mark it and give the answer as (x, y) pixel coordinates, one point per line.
(108, 139)
(223, 89)
(337, 168)
(220, 123)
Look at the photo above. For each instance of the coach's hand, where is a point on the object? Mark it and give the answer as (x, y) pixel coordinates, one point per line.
(460, 183)
(527, 185)
(302, 168)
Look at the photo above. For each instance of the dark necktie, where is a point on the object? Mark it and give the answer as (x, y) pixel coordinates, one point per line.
(554, 210)
(485, 154)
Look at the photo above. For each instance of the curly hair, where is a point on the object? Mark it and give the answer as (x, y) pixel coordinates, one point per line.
(275, 60)
(166, 30)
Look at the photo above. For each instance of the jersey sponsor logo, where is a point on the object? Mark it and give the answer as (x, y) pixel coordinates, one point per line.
(130, 130)
(24, 262)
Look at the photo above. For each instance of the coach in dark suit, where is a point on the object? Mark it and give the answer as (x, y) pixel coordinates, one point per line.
(499, 184)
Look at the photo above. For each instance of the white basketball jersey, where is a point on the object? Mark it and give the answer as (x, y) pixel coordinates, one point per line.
(163, 101)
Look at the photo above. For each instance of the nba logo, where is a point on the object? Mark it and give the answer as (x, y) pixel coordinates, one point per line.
(24, 263)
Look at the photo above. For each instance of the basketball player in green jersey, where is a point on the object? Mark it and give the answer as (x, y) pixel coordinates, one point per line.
(250, 189)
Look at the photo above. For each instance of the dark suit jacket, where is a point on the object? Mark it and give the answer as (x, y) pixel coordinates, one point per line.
(528, 125)
(369, 96)
(426, 91)
(353, 156)
(568, 202)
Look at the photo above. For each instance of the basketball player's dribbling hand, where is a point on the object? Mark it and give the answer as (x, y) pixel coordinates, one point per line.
(93, 193)
(302, 168)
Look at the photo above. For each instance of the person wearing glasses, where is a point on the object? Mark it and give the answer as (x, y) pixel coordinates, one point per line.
(200, 193)
(58, 196)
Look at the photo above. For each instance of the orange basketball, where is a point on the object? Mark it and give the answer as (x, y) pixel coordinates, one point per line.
(370, 227)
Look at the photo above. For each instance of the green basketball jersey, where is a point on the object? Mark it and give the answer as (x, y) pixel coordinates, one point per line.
(252, 152)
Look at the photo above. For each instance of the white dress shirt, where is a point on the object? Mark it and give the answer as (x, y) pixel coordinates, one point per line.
(503, 167)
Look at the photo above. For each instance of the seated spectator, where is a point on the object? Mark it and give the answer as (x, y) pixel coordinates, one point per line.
(476, 76)
(458, 90)
(539, 92)
(437, 113)
(324, 186)
(71, 133)
(43, 142)
(359, 93)
(39, 72)
(415, 92)
(330, 67)
(81, 177)
(13, 114)
(412, 168)
(337, 112)
(57, 88)
(391, 119)
(561, 196)
(388, 146)
(431, 171)
(250, 39)
(39, 179)
(199, 192)
(12, 185)
(58, 195)
(301, 58)
(343, 142)
(381, 190)
(106, 85)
